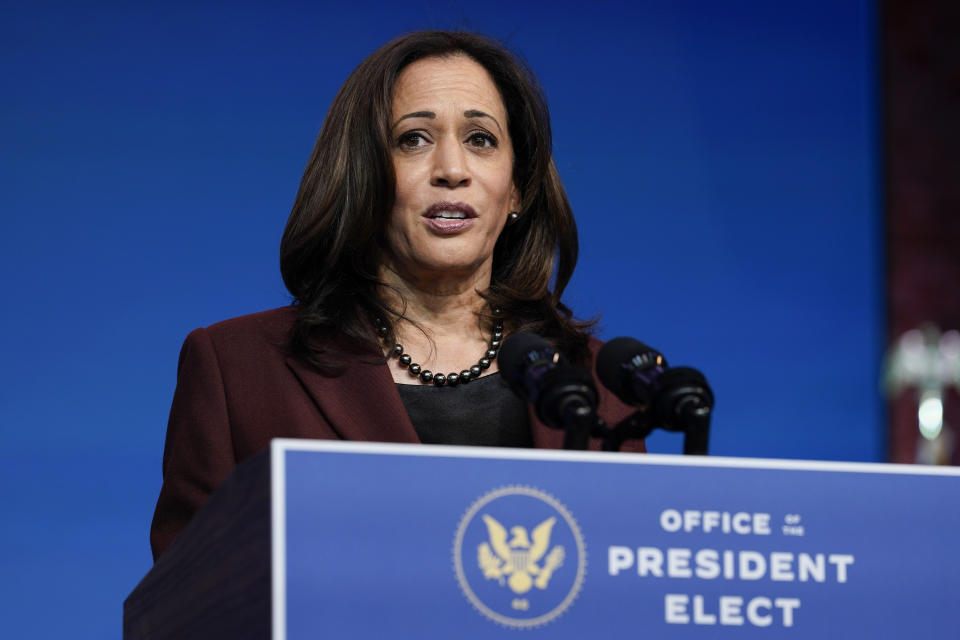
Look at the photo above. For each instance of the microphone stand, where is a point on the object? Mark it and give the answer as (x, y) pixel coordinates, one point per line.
(568, 401)
(635, 426)
(639, 425)
(577, 426)
(696, 435)
(685, 403)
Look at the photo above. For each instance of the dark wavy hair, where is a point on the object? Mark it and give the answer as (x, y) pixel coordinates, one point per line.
(334, 239)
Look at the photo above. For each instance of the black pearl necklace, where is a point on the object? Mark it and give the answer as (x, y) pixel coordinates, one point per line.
(426, 376)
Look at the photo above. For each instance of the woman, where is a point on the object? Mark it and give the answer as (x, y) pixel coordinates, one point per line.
(426, 228)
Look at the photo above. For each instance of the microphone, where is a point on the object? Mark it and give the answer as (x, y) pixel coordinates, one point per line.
(631, 370)
(563, 395)
(678, 399)
(684, 404)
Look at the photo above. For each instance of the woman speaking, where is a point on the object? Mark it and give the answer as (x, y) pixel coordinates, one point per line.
(427, 227)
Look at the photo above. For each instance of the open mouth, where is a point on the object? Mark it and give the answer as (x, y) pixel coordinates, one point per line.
(450, 211)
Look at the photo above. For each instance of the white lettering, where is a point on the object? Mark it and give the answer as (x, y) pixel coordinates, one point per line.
(708, 564)
(691, 520)
(730, 611)
(649, 561)
(730, 607)
(619, 558)
(841, 560)
(699, 617)
(728, 565)
(761, 524)
(670, 520)
(753, 614)
(781, 565)
(741, 523)
(678, 563)
(753, 566)
(675, 608)
(811, 566)
(787, 605)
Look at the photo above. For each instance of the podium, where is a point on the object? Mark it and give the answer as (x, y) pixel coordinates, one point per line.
(321, 539)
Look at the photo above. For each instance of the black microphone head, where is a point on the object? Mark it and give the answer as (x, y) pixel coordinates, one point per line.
(629, 369)
(518, 352)
(563, 395)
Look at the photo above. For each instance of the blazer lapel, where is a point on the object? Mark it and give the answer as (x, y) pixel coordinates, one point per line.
(361, 404)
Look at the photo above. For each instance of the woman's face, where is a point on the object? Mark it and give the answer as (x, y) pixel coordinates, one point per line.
(453, 161)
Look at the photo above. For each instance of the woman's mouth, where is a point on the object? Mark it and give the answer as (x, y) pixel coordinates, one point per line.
(449, 217)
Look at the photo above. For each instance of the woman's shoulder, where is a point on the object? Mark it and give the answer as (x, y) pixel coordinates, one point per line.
(255, 332)
(273, 322)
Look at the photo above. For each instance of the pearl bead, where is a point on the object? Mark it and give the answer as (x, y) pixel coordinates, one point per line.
(452, 378)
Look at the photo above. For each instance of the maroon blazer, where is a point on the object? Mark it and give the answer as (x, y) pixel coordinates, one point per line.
(238, 387)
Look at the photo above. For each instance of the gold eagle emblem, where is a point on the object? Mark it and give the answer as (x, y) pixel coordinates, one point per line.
(518, 559)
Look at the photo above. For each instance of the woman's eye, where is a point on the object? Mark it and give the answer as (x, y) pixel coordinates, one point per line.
(482, 140)
(412, 140)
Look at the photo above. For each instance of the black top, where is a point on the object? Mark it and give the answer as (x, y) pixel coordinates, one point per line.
(483, 412)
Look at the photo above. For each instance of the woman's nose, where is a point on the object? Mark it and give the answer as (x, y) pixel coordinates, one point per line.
(450, 165)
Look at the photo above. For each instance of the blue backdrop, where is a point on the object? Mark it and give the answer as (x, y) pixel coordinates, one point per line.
(721, 161)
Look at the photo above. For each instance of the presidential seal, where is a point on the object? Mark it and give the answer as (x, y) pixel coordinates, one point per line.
(519, 556)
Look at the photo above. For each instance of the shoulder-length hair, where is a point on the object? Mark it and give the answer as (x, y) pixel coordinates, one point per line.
(334, 239)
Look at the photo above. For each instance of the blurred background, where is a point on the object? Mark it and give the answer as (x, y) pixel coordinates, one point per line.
(766, 191)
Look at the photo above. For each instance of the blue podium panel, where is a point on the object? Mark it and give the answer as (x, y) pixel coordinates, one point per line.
(375, 540)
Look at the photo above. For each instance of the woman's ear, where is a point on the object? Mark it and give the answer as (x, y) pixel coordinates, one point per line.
(514, 200)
